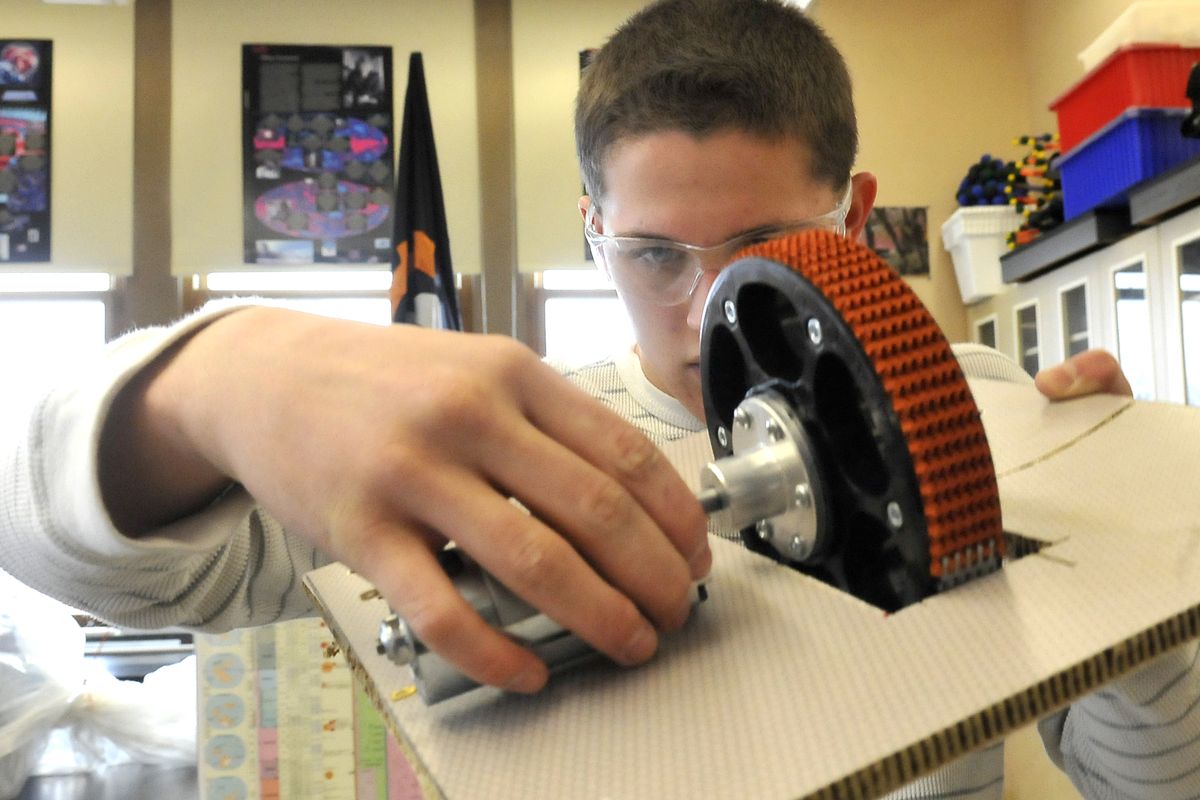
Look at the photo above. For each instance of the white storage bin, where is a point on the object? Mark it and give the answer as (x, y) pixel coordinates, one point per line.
(975, 238)
(1146, 22)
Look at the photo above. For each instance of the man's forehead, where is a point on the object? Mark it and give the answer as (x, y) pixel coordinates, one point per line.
(672, 184)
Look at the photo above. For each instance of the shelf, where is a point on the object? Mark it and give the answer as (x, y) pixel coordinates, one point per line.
(1168, 193)
(1085, 233)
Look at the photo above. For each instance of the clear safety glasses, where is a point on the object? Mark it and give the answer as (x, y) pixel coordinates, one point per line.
(666, 272)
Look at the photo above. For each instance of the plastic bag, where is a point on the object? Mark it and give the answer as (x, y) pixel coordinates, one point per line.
(60, 713)
(153, 722)
(41, 662)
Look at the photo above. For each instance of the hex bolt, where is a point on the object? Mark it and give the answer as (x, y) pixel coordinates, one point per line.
(894, 515)
(798, 548)
(803, 495)
(393, 640)
(730, 312)
(814, 330)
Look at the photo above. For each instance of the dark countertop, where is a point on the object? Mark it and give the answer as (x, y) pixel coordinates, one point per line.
(129, 782)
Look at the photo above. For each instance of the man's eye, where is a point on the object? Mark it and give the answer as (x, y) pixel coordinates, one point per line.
(657, 257)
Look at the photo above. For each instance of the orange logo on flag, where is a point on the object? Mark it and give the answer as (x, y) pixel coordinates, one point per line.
(424, 249)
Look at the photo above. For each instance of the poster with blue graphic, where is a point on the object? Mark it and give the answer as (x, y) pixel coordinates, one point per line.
(317, 154)
(25, 72)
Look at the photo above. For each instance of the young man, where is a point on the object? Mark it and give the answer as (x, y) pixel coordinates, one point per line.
(703, 125)
(192, 476)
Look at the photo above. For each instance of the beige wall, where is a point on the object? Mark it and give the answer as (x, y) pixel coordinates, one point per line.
(206, 125)
(937, 83)
(1053, 35)
(91, 133)
(547, 38)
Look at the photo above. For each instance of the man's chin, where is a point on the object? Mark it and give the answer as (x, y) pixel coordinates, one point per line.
(693, 396)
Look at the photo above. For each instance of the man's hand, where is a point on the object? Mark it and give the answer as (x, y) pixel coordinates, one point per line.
(1089, 372)
(378, 444)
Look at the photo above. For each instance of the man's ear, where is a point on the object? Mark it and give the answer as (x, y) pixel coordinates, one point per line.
(865, 188)
(585, 203)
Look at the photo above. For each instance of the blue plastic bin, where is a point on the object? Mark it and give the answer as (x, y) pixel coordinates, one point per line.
(1136, 146)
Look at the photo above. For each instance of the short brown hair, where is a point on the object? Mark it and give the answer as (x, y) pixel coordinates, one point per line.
(702, 66)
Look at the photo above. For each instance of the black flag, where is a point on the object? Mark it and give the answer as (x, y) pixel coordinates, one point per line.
(422, 275)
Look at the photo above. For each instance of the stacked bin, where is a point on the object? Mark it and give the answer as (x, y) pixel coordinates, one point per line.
(1120, 124)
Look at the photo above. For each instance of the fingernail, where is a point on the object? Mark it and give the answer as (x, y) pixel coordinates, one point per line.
(1060, 380)
(701, 561)
(528, 681)
(641, 645)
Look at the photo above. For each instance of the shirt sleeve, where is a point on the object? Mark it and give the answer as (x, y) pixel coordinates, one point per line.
(228, 566)
(981, 361)
(1138, 738)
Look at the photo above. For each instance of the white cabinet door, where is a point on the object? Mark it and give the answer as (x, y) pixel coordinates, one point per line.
(1179, 254)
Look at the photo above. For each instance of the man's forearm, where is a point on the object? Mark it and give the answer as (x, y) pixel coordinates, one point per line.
(150, 472)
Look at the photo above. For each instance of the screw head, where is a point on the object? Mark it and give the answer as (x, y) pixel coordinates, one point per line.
(394, 641)
(774, 431)
(730, 312)
(803, 495)
(722, 436)
(894, 515)
(741, 418)
(764, 529)
(814, 331)
(799, 549)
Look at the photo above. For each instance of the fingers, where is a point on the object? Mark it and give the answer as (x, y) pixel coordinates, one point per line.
(408, 575)
(1090, 372)
(590, 477)
(593, 555)
(619, 501)
(537, 564)
(627, 457)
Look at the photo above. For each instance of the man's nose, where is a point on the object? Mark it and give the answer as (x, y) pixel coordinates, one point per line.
(699, 297)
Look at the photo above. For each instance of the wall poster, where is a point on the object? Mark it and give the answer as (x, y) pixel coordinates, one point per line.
(25, 81)
(317, 143)
(898, 234)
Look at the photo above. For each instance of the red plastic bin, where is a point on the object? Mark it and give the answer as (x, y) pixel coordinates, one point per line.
(1142, 75)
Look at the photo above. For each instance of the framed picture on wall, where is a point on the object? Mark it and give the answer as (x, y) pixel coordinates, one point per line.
(317, 143)
(899, 235)
(25, 87)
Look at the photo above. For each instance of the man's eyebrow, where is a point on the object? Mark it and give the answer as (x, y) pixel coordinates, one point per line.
(757, 230)
(766, 229)
(645, 235)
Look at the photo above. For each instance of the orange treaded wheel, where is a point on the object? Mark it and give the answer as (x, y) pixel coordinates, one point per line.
(905, 486)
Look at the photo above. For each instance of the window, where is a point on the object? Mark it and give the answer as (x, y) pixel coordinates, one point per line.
(1074, 320)
(985, 331)
(49, 320)
(1133, 329)
(1027, 338)
(1189, 312)
(582, 319)
(359, 295)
